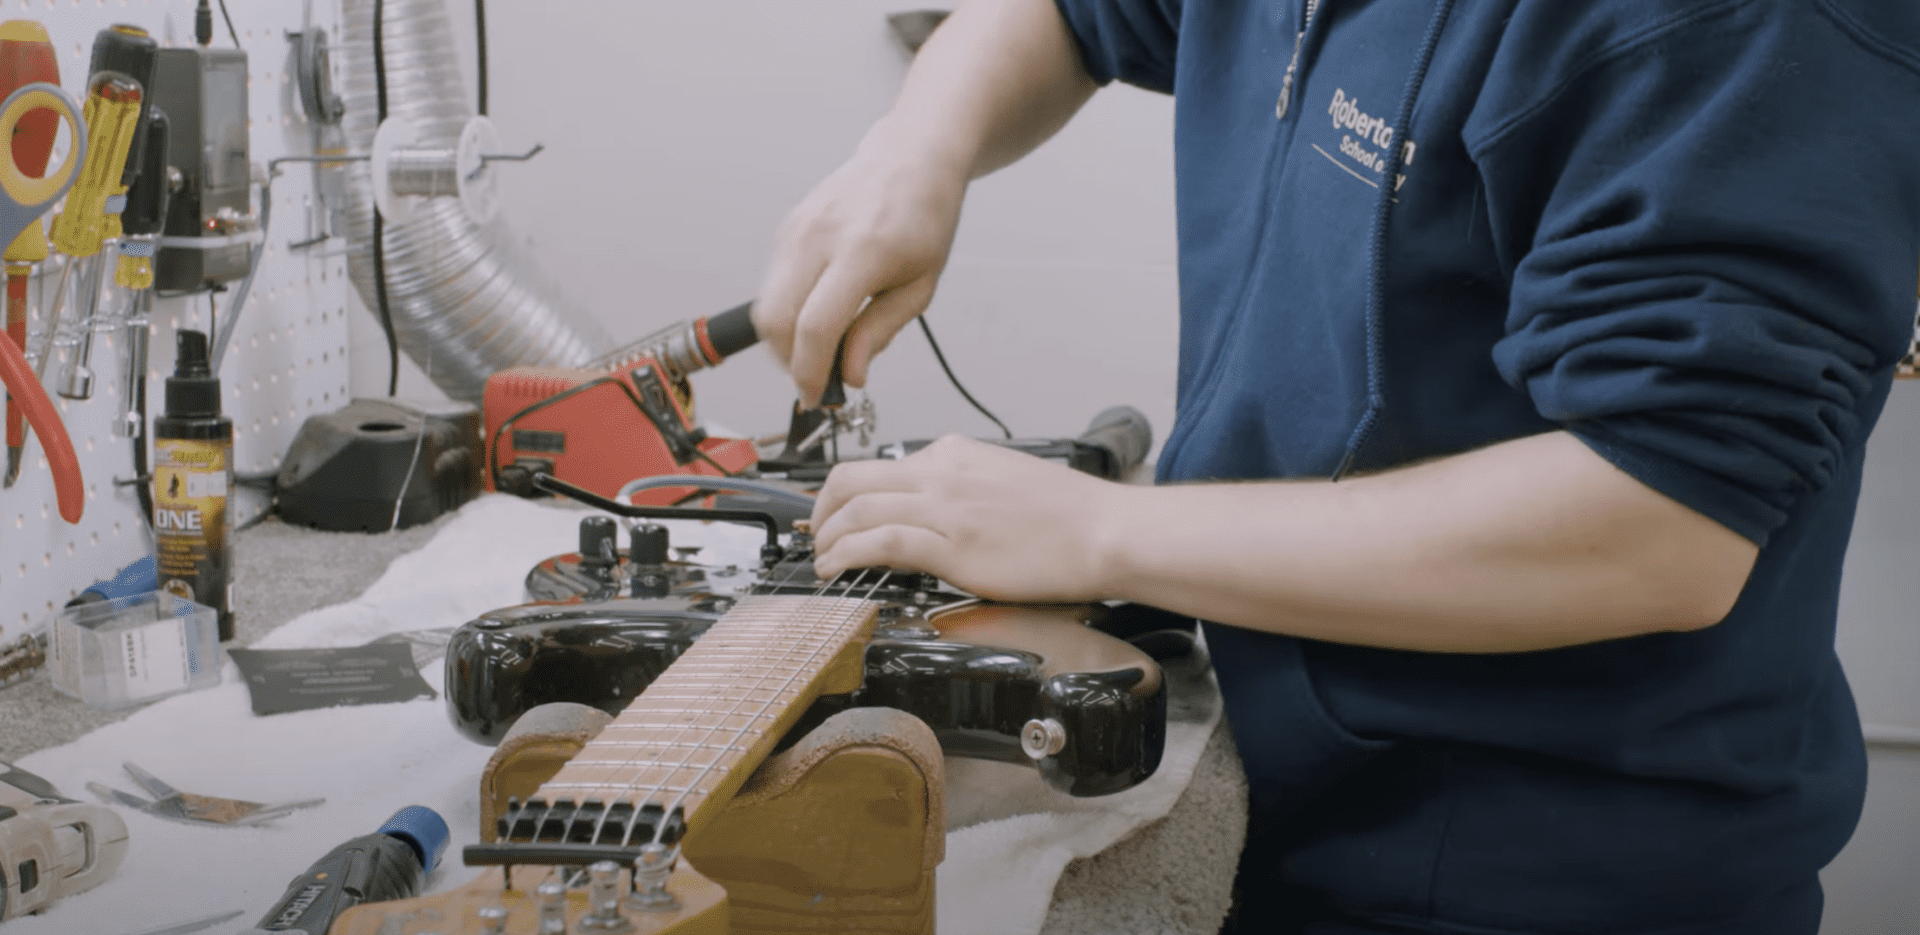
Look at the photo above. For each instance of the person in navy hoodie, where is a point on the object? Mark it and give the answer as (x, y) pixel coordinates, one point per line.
(1528, 352)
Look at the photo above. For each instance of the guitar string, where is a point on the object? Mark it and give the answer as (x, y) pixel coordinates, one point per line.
(606, 811)
(820, 647)
(706, 733)
(822, 642)
(626, 792)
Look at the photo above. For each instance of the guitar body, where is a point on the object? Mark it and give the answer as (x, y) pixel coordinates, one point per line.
(977, 673)
(840, 832)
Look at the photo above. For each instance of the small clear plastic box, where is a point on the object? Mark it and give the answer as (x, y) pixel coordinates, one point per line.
(130, 650)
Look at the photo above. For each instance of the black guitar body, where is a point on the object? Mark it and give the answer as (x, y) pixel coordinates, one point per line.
(995, 681)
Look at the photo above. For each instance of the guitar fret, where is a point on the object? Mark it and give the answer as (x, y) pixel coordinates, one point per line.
(617, 794)
(651, 764)
(729, 692)
(649, 744)
(645, 773)
(681, 727)
(651, 709)
(711, 713)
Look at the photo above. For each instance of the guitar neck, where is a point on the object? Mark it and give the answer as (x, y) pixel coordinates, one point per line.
(683, 747)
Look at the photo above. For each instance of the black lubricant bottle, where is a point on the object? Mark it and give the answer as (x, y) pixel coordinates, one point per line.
(192, 472)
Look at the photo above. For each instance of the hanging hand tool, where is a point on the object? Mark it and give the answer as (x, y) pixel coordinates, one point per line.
(118, 104)
(142, 220)
(114, 111)
(26, 56)
(22, 200)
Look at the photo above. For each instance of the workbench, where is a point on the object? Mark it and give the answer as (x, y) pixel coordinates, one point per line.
(1171, 876)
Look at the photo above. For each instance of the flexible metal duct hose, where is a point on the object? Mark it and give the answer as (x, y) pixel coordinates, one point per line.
(465, 304)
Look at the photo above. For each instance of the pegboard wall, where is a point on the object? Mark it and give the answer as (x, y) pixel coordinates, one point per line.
(287, 359)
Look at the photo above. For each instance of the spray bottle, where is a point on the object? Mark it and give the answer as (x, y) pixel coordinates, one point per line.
(192, 472)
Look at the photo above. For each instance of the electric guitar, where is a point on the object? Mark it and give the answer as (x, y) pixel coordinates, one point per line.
(682, 814)
(1015, 683)
(768, 772)
(598, 845)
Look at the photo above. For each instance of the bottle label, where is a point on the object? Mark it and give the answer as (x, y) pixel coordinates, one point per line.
(190, 520)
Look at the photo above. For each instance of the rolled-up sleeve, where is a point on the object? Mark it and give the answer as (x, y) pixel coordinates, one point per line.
(1713, 259)
(1133, 41)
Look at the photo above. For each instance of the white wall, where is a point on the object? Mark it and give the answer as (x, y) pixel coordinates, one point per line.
(659, 190)
(705, 121)
(1874, 888)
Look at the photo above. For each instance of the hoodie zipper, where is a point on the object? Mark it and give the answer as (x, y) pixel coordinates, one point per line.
(1281, 106)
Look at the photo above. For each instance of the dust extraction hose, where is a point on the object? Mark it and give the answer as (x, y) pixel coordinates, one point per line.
(462, 299)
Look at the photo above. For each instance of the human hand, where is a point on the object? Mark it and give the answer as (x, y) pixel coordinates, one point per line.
(998, 523)
(859, 257)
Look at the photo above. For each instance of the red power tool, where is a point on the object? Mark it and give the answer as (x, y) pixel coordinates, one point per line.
(626, 418)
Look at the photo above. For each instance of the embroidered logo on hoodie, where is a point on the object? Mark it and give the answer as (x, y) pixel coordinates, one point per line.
(1364, 147)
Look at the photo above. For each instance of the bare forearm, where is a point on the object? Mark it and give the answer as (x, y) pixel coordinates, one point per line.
(994, 81)
(1531, 544)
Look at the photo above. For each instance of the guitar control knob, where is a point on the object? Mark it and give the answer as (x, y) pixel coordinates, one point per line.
(649, 545)
(599, 542)
(1042, 737)
(648, 557)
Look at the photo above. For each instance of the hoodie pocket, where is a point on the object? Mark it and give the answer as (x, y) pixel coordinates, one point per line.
(1292, 748)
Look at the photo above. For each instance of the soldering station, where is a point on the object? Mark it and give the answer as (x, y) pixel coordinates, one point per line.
(234, 231)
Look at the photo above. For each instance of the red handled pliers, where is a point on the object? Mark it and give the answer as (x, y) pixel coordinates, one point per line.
(22, 200)
(45, 419)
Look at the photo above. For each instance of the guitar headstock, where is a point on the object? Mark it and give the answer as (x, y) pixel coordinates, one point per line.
(535, 899)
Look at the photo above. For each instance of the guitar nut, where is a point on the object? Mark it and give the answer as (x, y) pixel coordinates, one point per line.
(1042, 737)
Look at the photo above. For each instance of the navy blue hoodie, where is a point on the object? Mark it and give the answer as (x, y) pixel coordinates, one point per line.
(1685, 231)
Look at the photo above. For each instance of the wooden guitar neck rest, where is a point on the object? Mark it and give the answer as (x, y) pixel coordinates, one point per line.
(840, 832)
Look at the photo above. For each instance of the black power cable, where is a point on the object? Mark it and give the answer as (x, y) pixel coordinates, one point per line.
(379, 223)
(480, 43)
(942, 358)
(229, 18)
(141, 479)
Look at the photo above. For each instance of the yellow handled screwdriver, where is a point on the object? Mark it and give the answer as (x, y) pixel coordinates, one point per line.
(114, 112)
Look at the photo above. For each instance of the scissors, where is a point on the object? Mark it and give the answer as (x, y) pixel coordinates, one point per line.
(23, 199)
(174, 805)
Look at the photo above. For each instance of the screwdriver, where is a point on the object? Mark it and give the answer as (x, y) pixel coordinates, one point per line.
(143, 220)
(26, 56)
(121, 72)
